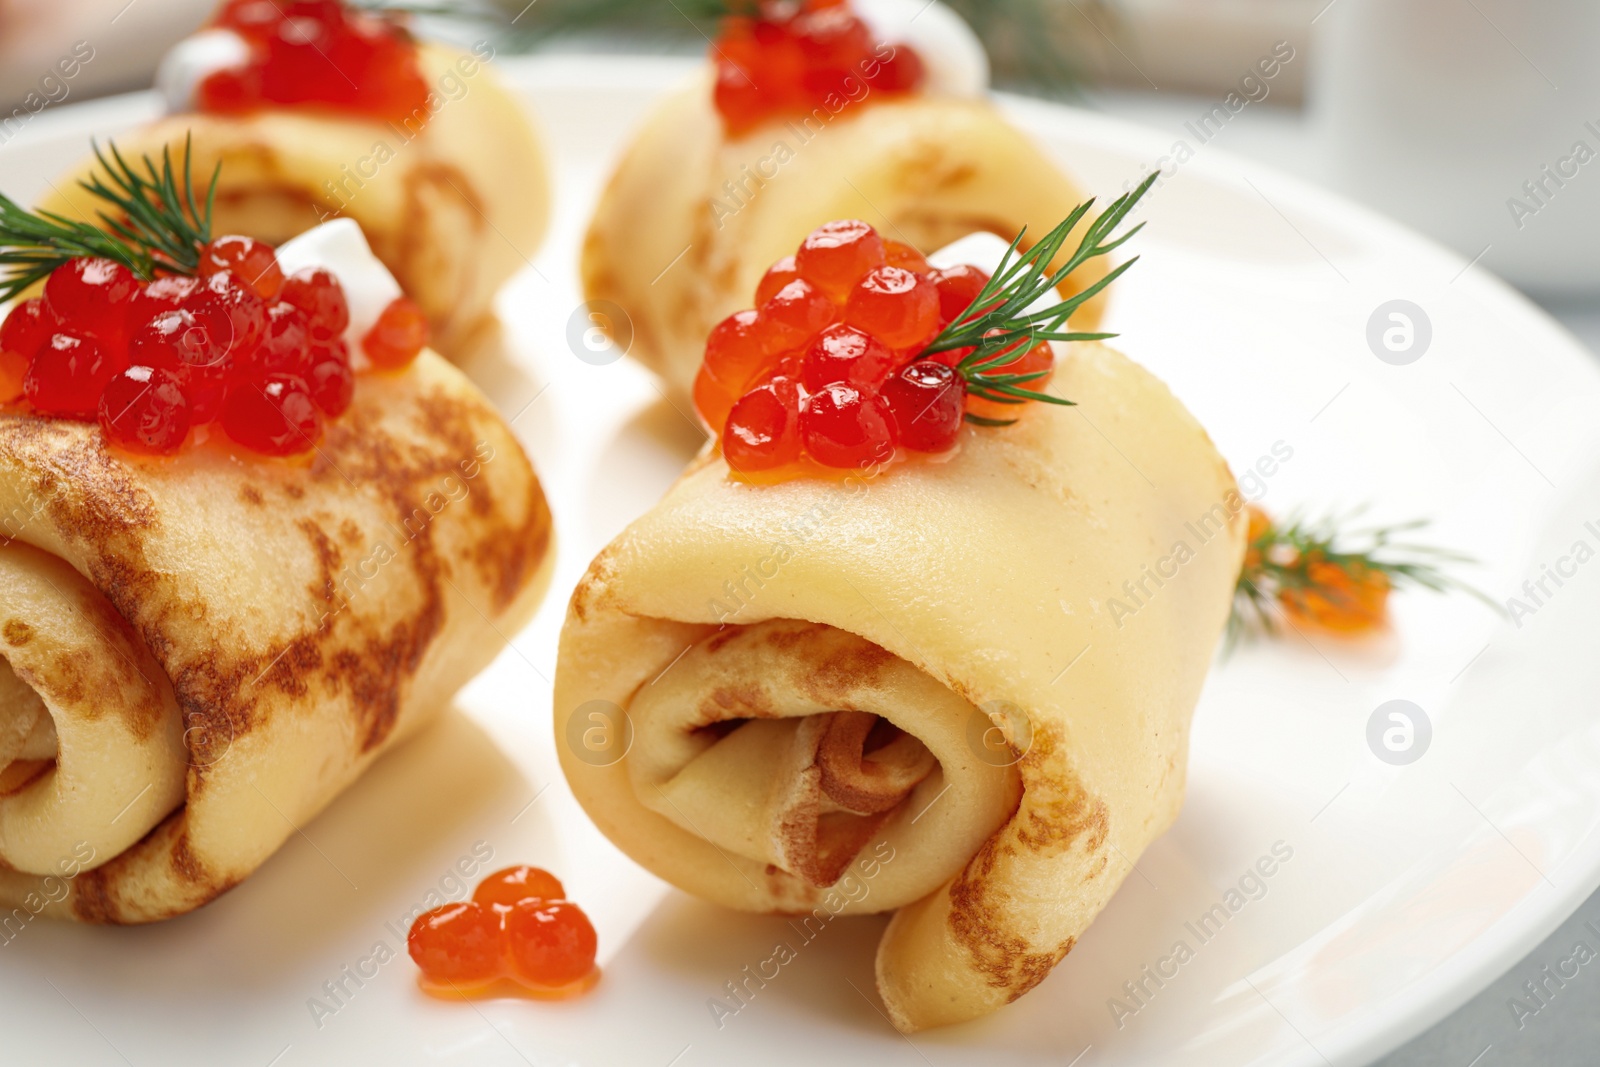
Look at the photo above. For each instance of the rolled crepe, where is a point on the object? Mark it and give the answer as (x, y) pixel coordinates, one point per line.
(197, 654)
(691, 220)
(453, 206)
(965, 685)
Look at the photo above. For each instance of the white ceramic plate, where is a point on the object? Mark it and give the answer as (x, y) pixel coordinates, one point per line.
(1406, 888)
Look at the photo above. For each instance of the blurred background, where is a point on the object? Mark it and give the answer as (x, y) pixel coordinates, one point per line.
(1476, 122)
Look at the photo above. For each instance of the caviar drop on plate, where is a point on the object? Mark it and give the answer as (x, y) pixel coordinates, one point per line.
(551, 943)
(458, 944)
(143, 409)
(516, 884)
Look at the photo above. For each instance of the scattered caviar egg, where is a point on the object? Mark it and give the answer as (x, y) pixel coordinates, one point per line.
(165, 293)
(837, 255)
(318, 293)
(26, 328)
(233, 312)
(551, 942)
(254, 262)
(399, 335)
(795, 314)
(763, 428)
(842, 426)
(13, 375)
(458, 944)
(143, 409)
(191, 345)
(331, 381)
(712, 399)
(285, 342)
(845, 354)
(517, 934)
(778, 275)
(516, 884)
(900, 254)
(68, 375)
(94, 295)
(895, 305)
(1033, 359)
(958, 287)
(737, 349)
(273, 414)
(927, 401)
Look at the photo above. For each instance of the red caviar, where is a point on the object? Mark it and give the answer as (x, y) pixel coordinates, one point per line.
(241, 345)
(793, 58)
(318, 54)
(399, 335)
(830, 369)
(518, 926)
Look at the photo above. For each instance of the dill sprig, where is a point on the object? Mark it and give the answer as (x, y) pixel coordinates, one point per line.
(151, 223)
(1001, 324)
(1287, 562)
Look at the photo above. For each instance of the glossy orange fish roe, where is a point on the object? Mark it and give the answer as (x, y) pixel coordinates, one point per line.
(516, 935)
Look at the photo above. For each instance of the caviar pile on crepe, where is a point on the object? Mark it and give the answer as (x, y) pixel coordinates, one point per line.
(204, 643)
(810, 112)
(159, 328)
(775, 59)
(858, 347)
(317, 110)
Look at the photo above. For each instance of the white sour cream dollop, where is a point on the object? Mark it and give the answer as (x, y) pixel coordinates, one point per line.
(193, 60)
(954, 58)
(341, 248)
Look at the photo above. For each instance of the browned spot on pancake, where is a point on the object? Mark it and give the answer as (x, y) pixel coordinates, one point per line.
(789, 637)
(349, 533)
(1056, 814)
(857, 664)
(743, 701)
(716, 641)
(329, 560)
(17, 633)
(250, 495)
(98, 894)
